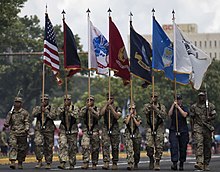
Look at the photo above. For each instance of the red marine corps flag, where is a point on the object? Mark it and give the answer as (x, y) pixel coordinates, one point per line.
(118, 59)
(51, 57)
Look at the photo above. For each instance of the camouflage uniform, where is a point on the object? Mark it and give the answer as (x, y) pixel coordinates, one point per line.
(18, 121)
(155, 139)
(68, 134)
(202, 131)
(44, 133)
(90, 139)
(110, 136)
(132, 142)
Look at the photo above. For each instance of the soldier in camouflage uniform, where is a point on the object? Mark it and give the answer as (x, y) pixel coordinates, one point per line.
(44, 132)
(155, 130)
(132, 137)
(90, 141)
(68, 114)
(18, 121)
(202, 115)
(110, 132)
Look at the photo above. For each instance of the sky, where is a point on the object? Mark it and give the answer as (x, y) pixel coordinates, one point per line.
(204, 13)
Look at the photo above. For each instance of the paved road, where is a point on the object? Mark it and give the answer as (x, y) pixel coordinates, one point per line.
(165, 165)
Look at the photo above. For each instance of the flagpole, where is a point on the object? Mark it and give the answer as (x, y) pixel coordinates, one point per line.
(175, 89)
(153, 113)
(109, 82)
(131, 85)
(89, 78)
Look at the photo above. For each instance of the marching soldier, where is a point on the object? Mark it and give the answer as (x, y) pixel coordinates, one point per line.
(202, 115)
(155, 114)
(18, 121)
(132, 137)
(110, 132)
(90, 128)
(178, 133)
(44, 132)
(68, 114)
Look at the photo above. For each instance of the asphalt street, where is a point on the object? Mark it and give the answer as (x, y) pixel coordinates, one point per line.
(122, 165)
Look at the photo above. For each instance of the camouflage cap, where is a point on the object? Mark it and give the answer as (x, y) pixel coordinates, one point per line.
(18, 99)
(179, 97)
(91, 98)
(111, 95)
(201, 93)
(131, 106)
(46, 97)
(156, 94)
(68, 97)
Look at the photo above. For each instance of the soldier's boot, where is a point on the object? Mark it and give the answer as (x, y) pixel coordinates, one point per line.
(94, 166)
(151, 164)
(71, 167)
(136, 166)
(62, 165)
(48, 166)
(85, 165)
(130, 166)
(199, 166)
(114, 166)
(181, 166)
(105, 166)
(206, 167)
(12, 165)
(157, 165)
(39, 164)
(20, 166)
(174, 166)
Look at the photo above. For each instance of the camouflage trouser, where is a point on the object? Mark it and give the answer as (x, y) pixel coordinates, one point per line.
(203, 144)
(133, 146)
(107, 140)
(18, 147)
(90, 144)
(68, 147)
(155, 143)
(44, 142)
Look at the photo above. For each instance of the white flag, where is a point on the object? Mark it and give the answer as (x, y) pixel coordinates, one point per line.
(98, 51)
(197, 60)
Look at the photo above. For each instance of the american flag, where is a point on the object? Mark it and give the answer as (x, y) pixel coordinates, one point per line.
(51, 57)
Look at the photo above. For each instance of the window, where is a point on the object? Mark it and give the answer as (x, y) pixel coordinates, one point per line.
(210, 43)
(205, 44)
(200, 44)
(215, 44)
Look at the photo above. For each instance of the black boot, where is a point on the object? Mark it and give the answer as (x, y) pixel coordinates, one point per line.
(181, 166)
(174, 166)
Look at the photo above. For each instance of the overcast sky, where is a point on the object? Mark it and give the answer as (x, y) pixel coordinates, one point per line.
(205, 13)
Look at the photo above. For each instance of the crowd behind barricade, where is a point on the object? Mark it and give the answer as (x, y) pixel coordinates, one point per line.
(91, 130)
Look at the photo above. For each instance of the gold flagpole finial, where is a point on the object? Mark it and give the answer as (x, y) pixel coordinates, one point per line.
(153, 11)
(63, 12)
(109, 11)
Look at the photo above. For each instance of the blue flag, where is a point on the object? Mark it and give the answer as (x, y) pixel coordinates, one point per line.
(140, 54)
(163, 54)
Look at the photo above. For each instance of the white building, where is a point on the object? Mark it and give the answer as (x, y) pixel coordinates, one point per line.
(208, 42)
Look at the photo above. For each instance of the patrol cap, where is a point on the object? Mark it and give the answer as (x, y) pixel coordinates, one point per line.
(179, 97)
(91, 97)
(201, 93)
(156, 94)
(68, 97)
(131, 106)
(111, 95)
(46, 97)
(18, 99)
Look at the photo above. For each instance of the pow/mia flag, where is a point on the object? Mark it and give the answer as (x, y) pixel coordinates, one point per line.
(140, 56)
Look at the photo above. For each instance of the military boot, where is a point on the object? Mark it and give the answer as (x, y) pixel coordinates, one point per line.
(71, 167)
(206, 167)
(62, 165)
(94, 166)
(151, 164)
(12, 165)
(174, 166)
(136, 166)
(199, 166)
(157, 165)
(114, 166)
(39, 164)
(130, 166)
(48, 166)
(85, 165)
(105, 166)
(20, 166)
(181, 166)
